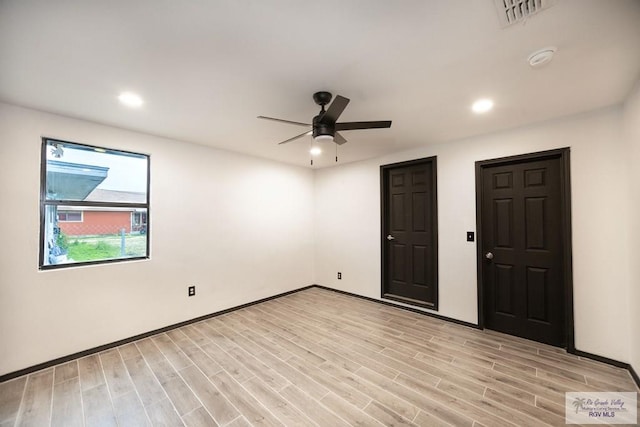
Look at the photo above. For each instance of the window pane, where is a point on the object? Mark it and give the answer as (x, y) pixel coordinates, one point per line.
(77, 172)
(95, 204)
(103, 234)
(69, 216)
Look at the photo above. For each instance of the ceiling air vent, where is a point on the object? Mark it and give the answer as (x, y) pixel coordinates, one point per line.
(512, 11)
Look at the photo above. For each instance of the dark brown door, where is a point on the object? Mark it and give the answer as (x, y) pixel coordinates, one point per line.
(522, 250)
(409, 233)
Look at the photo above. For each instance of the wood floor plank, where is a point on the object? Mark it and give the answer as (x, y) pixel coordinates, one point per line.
(377, 394)
(259, 369)
(65, 372)
(192, 331)
(36, 403)
(422, 401)
(128, 351)
(327, 354)
(427, 419)
(492, 355)
(386, 416)
(269, 346)
(531, 362)
(491, 407)
(294, 376)
(458, 399)
(199, 417)
(146, 384)
(10, 397)
(357, 353)
(171, 351)
(239, 340)
(239, 422)
(314, 357)
(250, 408)
(297, 350)
(162, 413)
(201, 359)
(333, 384)
(214, 335)
(115, 373)
(164, 371)
(178, 391)
(451, 374)
(279, 406)
(596, 372)
(67, 403)
(312, 407)
(130, 411)
(351, 414)
(98, 409)
(177, 336)
(90, 371)
(236, 369)
(407, 369)
(517, 406)
(216, 404)
(149, 350)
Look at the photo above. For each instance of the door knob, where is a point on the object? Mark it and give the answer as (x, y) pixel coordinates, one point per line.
(390, 237)
(488, 255)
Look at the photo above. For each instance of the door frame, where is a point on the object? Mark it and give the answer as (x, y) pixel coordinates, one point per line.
(384, 216)
(565, 218)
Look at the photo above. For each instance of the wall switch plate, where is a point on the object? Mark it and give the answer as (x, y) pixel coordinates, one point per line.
(470, 236)
(192, 291)
(339, 276)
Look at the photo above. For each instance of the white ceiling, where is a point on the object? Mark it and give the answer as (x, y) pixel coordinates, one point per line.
(206, 69)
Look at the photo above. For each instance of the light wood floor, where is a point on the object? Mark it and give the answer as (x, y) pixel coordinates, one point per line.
(315, 357)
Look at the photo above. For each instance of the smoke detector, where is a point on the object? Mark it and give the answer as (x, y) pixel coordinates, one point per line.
(513, 11)
(541, 57)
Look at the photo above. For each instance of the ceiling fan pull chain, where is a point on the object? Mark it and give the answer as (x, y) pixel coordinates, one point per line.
(336, 153)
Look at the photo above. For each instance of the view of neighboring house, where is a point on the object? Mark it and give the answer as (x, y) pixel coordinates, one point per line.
(85, 220)
(86, 210)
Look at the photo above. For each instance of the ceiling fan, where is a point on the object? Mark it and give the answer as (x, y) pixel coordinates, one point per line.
(324, 126)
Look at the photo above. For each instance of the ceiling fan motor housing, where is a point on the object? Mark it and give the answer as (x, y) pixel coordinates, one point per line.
(320, 128)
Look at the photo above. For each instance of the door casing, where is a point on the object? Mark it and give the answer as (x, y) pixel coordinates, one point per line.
(565, 213)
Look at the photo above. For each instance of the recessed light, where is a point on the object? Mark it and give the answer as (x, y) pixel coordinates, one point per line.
(482, 106)
(130, 99)
(315, 150)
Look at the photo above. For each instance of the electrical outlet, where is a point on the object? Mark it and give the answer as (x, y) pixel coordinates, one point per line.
(339, 276)
(192, 291)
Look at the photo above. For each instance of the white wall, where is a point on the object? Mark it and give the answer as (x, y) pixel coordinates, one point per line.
(632, 134)
(237, 227)
(347, 221)
(241, 229)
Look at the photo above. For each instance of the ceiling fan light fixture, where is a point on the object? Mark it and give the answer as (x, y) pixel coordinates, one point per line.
(482, 106)
(130, 99)
(323, 138)
(315, 150)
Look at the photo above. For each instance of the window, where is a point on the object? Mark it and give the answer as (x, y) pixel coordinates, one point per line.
(94, 205)
(69, 216)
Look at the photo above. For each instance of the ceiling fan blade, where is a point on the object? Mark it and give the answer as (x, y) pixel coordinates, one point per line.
(284, 121)
(363, 125)
(339, 139)
(295, 137)
(335, 109)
